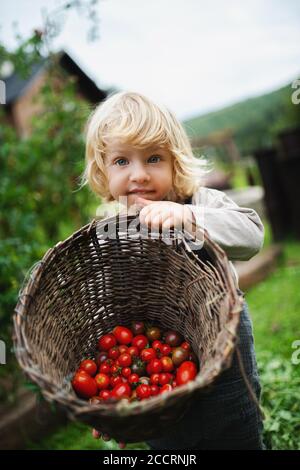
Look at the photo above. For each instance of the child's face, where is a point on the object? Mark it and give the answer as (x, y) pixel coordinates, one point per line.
(129, 168)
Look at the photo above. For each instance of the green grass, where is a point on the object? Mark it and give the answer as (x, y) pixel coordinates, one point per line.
(274, 306)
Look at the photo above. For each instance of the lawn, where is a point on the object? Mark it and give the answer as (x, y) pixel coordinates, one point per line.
(274, 307)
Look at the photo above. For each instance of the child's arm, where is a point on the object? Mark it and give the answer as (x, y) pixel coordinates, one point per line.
(238, 230)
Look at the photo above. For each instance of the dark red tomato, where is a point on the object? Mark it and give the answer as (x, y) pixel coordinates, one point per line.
(173, 338)
(154, 379)
(133, 351)
(133, 379)
(114, 353)
(179, 355)
(186, 371)
(105, 394)
(166, 388)
(106, 342)
(154, 367)
(84, 385)
(122, 334)
(102, 381)
(116, 380)
(153, 333)
(104, 368)
(89, 366)
(154, 389)
(140, 341)
(121, 390)
(137, 327)
(126, 371)
(101, 357)
(125, 360)
(185, 345)
(167, 364)
(123, 348)
(157, 345)
(147, 354)
(166, 349)
(164, 378)
(143, 391)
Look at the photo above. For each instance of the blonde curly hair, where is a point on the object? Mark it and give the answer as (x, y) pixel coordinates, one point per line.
(135, 119)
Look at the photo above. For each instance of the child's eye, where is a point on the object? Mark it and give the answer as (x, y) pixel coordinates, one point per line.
(120, 160)
(154, 156)
(124, 159)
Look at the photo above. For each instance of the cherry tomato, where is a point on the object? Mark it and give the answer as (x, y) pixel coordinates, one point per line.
(104, 368)
(114, 353)
(137, 327)
(140, 341)
(104, 394)
(122, 334)
(89, 366)
(125, 360)
(154, 379)
(179, 355)
(154, 389)
(143, 391)
(153, 333)
(166, 388)
(154, 366)
(147, 354)
(164, 378)
(115, 380)
(173, 338)
(101, 357)
(102, 381)
(185, 345)
(157, 345)
(123, 348)
(84, 385)
(186, 371)
(126, 371)
(106, 342)
(133, 379)
(121, 390)
(133, 351)
(115, 369)
(165, 349)
(167, 364)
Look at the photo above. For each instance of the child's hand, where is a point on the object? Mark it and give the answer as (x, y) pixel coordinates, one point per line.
(164, 214)
(97, 435)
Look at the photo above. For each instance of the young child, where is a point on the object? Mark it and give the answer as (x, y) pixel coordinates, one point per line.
(138, 150)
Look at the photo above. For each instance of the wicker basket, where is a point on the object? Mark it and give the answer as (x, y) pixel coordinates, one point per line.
(87, 284)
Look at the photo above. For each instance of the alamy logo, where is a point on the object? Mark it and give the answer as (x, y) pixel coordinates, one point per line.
(2, 92)
(2, 352)
(296, 94)
(296, 354)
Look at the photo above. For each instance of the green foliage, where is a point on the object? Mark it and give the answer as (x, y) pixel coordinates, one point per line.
(255, 121)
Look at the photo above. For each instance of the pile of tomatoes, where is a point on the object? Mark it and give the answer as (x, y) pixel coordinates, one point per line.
(135, 363)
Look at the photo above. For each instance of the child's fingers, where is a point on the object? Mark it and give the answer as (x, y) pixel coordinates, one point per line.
(122, 445)
(106, 437)
(96, 434)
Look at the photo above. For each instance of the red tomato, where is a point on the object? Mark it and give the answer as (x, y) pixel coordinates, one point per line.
(102, 381)
(157, 345)
(133, 379)
(114, 353)
(186, 371)
(106, 342)
(166, 388)
(84, 385)
(147, 354)
(125, 360)
(101, 357)
(122, 334)
(165, 349)
(104, 368)
(126, 371)
(164, 378)
(89, 366)
(154, 389)
(167, 364)
(133, 351)
(154, 367)
(115, 380)
(105, 394)
(123, 349)
(140, 341)
(185, 345)
(154, 379)
(121, 390)
(115, 369)
(143, 391)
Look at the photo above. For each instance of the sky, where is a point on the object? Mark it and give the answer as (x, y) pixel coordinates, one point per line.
(193, 56)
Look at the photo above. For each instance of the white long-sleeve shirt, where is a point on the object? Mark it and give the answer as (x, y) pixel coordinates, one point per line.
(237, 230)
